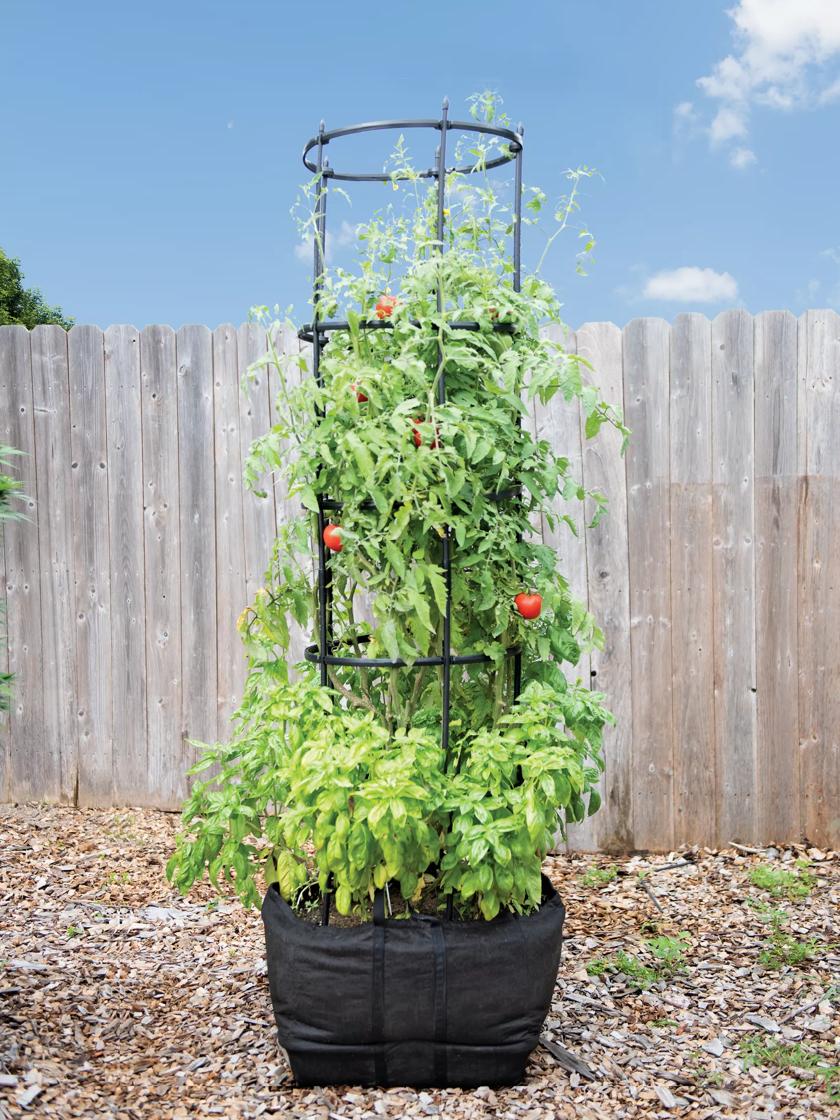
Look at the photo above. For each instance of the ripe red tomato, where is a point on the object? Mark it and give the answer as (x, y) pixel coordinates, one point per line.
(529, 604)
(384, 306)
(360, 396)
(418, 435)
(332, 537)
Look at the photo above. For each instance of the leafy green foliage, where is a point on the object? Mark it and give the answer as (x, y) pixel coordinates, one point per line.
(348, 787)
(24, 306)
(781, 883)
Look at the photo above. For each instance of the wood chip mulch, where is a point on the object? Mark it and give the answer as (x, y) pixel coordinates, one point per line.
(120, 999)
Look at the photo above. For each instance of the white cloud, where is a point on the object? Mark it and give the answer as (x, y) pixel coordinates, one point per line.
(742, 157)
(786, 57)
(728, 124)
(691, 285)
(346, 235)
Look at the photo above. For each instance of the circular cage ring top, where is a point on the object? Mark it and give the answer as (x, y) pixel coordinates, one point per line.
(324, 137)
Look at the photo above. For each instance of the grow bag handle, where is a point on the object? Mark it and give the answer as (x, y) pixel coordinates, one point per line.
(378, 992)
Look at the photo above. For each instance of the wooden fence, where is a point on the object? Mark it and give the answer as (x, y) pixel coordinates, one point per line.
(716, 576)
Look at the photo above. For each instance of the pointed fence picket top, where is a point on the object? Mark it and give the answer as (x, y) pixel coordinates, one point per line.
(715, 576)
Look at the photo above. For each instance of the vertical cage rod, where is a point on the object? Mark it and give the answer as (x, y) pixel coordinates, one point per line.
(320, 232)
(446, 559)
(517, 286)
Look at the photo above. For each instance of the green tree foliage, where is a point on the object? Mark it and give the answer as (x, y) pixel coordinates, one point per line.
(21, 306)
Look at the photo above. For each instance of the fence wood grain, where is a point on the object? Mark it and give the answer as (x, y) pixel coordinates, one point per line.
(255, 419)
(819, 574)
(776, 575)
(558, 423)
(166, 759)
(609, 593)
(715, 576)
(51, 416)
(734, 575)
(230, 525)
(647, 407)
(692, 635)
(197, 510)
(127, 544)
(92, 564)
(33, 768)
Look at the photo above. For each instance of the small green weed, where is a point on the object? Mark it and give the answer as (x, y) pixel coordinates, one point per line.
(598, 966)
(758, 1050)
(668, 954)
(74, 931)
(781, 883)
(599, 876)
(783, 948)
(116, 877)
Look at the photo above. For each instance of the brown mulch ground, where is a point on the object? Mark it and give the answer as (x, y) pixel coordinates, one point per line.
(120, 999)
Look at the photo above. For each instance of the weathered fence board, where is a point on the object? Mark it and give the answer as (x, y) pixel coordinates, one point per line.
(692, 637)
(776, 573)
(819, 578)
(92, 564)
(558, 423)
(715, 576)
(197, 510)
(230, 525)
(33, 766)
(734, 574)
(126, 534)
(609, 593)
(255, 419)
(647, 408)
(165, 754)
(51, 416)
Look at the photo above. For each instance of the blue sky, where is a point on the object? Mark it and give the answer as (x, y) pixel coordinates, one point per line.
(149, 154)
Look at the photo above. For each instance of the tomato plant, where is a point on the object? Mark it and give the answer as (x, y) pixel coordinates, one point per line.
(347, 786)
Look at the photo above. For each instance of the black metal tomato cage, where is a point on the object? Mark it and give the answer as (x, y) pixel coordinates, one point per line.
(318, 333)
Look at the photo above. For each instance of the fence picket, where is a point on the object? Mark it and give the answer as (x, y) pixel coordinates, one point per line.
(159, 409)
(776, 573)
(558, 423)
(92, 564)
(646, 406)
(128, 591)
(51, 415)
(197, 507)
(33, 770)
(734, 575)
(692, 636)
(819, 579)
(606, 550)
(255, 420)
(230, 526)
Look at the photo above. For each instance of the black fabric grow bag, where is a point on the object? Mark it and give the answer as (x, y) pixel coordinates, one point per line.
(418, 1001)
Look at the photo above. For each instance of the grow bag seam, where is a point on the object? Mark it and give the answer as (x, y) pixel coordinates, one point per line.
(378, 1003)
(440, 1005)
